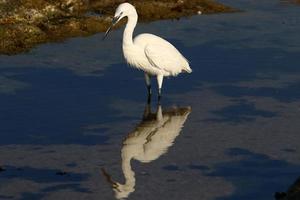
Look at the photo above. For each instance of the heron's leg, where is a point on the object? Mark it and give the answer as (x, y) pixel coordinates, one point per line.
(147, 110)
(148, 83)
(159, 115)
(159, 83)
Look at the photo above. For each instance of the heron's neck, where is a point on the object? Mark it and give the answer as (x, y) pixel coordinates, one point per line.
(127, 171)
(128, 32)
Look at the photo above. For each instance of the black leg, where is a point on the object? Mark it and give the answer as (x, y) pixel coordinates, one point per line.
(159, 95)
(147, 110)
(149, 99)
(149, 89)
(149, 94)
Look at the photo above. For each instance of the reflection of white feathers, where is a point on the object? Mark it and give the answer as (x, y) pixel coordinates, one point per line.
(155, 134)
(149, 140)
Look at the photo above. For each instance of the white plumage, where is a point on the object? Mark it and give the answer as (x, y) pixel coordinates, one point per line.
(151, 138)
(148, 52)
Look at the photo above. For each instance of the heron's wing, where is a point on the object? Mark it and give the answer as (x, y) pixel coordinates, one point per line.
(166, 58)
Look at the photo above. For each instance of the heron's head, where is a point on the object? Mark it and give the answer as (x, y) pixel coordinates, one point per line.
(123, 10)
(122, 191)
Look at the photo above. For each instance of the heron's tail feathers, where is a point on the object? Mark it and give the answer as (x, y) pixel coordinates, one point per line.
(186, 66)
(187, 69)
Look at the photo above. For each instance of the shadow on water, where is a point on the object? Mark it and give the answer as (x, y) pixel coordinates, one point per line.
(255, 176)
(58, 104)
(44, 192)
(286, 94)
(41, 175)
(150, 139)
(62, 180)
(242, 111)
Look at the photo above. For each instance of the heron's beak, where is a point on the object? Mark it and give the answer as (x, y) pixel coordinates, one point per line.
(109, 180)
(114, 22)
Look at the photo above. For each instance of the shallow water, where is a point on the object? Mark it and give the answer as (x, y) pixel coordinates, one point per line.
(73, 120)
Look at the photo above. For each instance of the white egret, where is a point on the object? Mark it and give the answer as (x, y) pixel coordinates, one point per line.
(151, 138)
(148, 52)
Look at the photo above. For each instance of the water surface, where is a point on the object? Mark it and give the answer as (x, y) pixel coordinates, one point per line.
(72, 114)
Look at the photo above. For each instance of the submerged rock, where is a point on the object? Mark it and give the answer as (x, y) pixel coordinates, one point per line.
(2, 169)
(293, 192)
(26, 23)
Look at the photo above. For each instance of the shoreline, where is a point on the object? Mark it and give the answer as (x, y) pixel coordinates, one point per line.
(25, 24)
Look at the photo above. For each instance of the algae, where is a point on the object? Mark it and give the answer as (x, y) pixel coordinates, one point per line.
(26, 23)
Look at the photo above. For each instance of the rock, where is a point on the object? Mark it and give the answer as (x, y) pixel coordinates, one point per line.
(293, 192)
(26, 23)
(280, 195)
(74, 6)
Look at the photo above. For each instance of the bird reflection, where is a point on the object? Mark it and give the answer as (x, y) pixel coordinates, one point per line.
(147, 142)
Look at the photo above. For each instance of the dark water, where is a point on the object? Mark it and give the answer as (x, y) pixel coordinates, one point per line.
(75, 125)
